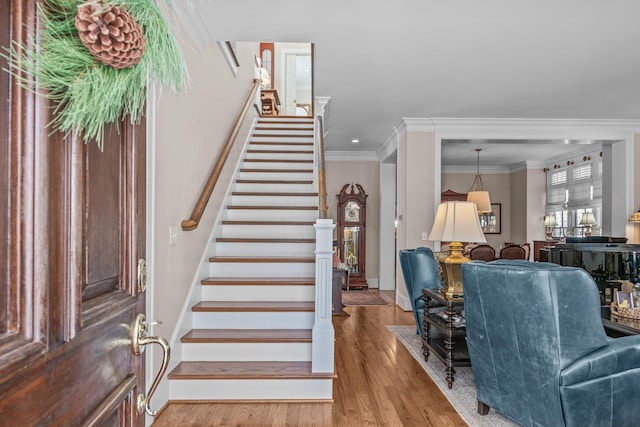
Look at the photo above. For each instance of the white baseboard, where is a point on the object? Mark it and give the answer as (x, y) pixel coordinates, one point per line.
(373, 283)
(403, 302)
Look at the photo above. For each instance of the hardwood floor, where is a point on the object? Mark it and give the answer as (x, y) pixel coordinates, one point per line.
(379, 384)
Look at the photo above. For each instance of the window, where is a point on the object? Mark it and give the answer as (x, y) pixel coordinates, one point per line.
(573, 190)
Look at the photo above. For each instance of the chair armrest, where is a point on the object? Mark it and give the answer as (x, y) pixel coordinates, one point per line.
(621, 354)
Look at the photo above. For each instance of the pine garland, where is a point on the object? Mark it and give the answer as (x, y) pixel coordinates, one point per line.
(87, 93)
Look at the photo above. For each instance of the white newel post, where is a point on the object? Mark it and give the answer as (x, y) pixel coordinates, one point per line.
(322, 347)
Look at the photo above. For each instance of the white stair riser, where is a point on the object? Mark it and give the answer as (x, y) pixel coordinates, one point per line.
(269, 231)
(274, 201)
(258, 293)
(271, 215)
(267, 166)
(241, 269)
(275, 188)
(279, 156)
(247, 352)
(253, 320)
(264, 249)
(288, 121)
(289, 139)
(250, 389)
(276, 176)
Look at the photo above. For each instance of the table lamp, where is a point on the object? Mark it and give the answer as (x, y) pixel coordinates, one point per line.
(456, 222)
(549, 223)
(587, 220)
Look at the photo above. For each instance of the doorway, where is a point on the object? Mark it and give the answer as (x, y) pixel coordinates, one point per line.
(296, 78)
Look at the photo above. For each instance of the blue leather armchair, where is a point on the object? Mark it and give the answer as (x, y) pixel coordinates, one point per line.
(539, 352)
(420, 270)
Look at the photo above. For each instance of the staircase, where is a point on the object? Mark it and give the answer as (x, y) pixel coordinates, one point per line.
(251, 336)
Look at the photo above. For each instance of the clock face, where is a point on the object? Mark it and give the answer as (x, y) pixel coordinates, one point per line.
(352, 212)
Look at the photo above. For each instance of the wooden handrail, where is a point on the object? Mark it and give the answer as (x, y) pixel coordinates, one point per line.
(203, 200)
(322, 184)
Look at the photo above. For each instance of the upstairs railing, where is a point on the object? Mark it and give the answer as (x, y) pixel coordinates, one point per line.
(203, 200)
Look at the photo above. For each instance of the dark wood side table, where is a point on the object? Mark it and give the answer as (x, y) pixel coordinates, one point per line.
(440, 337)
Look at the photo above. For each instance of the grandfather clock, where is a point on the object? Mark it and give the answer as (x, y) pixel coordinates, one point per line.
(352, 232)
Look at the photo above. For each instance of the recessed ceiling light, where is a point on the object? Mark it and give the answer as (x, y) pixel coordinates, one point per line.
(355, 141)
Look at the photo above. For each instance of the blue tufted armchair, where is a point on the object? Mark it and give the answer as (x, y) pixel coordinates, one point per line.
(538, 349)
(420, 270)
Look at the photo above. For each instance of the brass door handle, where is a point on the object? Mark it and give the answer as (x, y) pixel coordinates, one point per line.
(139, 339)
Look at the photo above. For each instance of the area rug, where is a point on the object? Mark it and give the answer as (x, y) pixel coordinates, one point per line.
(365, 297)
(463, 394)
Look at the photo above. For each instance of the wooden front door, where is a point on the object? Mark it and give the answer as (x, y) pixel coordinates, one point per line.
(72, 221)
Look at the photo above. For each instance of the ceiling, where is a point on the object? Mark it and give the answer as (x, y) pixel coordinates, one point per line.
(387, 60)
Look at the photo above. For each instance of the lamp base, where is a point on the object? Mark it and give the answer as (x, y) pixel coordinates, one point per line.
(549, 233)
(453, 270)
(587, 231)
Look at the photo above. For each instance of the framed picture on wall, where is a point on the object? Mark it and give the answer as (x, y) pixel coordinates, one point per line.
(491, 222)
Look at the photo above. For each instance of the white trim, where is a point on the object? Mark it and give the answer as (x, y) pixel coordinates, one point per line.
(471, 170)
(403, 302)
(390, 145)
(229, 56)
(351, 155)
(534, 128)
(162, 393)
(373, 283)
(412, 124)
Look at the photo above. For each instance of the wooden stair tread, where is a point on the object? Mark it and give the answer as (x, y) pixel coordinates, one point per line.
(300, 144)
(259, 281)
(254, 306)
(281, 135)
(282, 128)
(272, 181)
(272, 194)
(300, 223)
(247, 335)
(276, 170)
(273, 259)
(285, 208)
(246, 370)
(263, 240)
(278, 161)
(254, 151)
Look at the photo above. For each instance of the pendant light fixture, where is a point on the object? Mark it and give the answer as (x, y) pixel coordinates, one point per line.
(478, 193)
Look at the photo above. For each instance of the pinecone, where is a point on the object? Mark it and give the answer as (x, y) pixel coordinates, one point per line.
(111, 34)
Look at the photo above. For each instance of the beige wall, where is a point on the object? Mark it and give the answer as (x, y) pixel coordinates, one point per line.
(536, 204)
(367, 174)
(416, 196)
(190, 129)
(518, 203)
(499, 187)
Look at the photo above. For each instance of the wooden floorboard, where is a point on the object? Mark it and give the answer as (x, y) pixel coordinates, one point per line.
(378, 384)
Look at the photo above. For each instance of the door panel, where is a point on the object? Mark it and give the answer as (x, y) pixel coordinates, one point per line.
(74, 218)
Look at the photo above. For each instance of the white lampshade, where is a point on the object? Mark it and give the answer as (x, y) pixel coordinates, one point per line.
(550, 221)
(265, 78)
(481, 199)
(587, 219)
(457, 222)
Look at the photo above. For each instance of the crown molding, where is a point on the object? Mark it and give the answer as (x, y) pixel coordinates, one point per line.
(525, 165)
(412, 124)
(369, 156)
(471, 170)
(474, 128)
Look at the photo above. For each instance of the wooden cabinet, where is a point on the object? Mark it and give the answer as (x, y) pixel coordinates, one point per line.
(270, 102)
(352, 223)
(541, 244)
